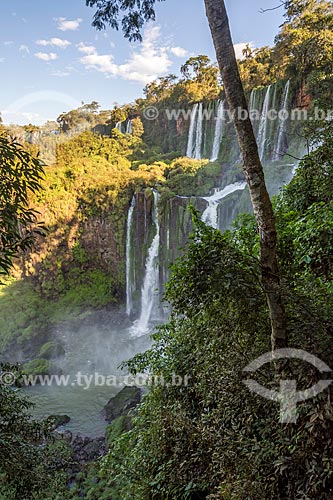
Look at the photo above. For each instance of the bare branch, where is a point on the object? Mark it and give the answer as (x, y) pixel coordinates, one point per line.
(282, 3)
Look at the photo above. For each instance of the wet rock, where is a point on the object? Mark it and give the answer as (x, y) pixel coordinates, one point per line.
(55, 421)
(120, 405)
(64, 435)
(86, 449)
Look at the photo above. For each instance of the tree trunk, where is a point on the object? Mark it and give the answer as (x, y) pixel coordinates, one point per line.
(262, 206)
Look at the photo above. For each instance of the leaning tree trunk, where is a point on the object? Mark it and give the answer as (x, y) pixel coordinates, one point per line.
(262, 206)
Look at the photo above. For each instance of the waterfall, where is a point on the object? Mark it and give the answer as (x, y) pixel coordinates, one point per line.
(129, 283)
(198, 135)
(129, 126)
(210, 215)
(118, 126)
(263, 125)
(149, 298)
(219, 126)
(251, 101)
(283, 118)
(191, 133)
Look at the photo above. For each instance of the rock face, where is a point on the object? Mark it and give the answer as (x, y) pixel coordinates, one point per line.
(87, 450)
(122, 403)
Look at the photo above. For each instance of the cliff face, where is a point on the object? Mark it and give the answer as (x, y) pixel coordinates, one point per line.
(98, 251)
(88, 232)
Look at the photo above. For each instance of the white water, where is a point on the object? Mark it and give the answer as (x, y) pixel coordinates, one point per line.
(129, 284)
(118, 126)
(198, 135)
(191, 134)
(129, 127)
(279, 153)
(149, 294)
(219, 128)
(263, 125)
(210, 215)
(251, 102)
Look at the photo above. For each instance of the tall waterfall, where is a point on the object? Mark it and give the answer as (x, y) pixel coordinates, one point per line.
(192, 130)
(210, 215)
(263, 125)
(149, 297)
(118, 126)
(219, 127)
(129, 126)
(129, 283)
(194, 143)
(198, 135)
(251, 101)
(283, 119)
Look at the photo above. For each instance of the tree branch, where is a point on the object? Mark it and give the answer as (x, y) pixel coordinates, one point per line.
(282, 3)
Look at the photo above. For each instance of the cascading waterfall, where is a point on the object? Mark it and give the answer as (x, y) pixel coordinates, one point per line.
(129, 126)
(251, 101)
(149, 297)
(118, 126)
(192, 129)
(198, 135)
(263, 125)
(219, 127)
(129, 282)
(210, 215)
(283, 118)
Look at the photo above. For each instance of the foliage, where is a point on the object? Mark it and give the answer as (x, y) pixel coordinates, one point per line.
(27, 469)
(305, 42)
(37, 367)
(213, 437)
(132, 15)
(20, 175)
(258, 68)
(86, 116)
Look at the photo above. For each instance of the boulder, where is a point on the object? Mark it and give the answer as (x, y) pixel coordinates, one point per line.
(55, 421)
(86, 449)
(120, 405)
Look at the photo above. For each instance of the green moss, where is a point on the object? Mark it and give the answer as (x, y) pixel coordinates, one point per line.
(116, 429)
(37, 367)
(51, 350)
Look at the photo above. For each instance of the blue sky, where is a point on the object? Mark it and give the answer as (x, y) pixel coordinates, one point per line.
(51, 58)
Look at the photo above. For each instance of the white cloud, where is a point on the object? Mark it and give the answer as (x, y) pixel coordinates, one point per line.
(86, 49)
(239, 47)
(11, 116)
(2, 59)
(145, 64)
(67, 25)
(178, 51)
(43, 56)
(8, 43)
(24, 49)
(54, 42)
